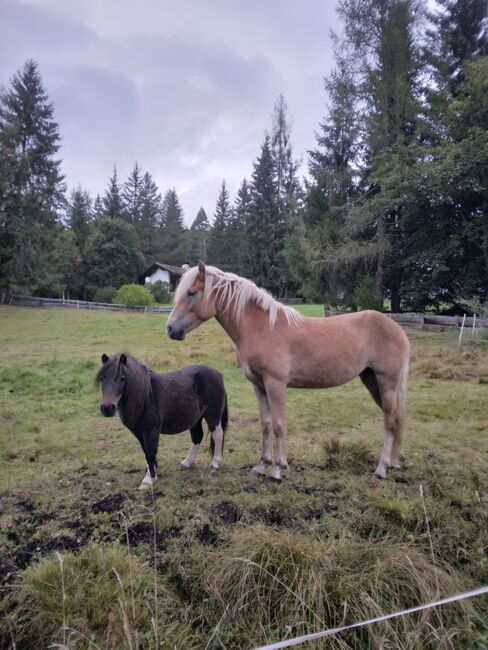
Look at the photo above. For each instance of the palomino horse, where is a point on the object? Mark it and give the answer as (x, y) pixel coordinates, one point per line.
(149, 404)
(277, 347)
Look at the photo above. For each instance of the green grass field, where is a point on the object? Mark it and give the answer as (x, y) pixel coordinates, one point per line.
(227, 560)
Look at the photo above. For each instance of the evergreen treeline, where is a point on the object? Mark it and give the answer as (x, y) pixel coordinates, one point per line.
(395, 204)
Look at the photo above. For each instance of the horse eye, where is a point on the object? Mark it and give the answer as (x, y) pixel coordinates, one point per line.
(191, 293)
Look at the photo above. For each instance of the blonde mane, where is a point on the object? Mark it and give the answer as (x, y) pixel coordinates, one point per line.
(232, 292)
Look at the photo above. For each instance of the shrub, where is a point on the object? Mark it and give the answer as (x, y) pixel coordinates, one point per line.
(104, 294)
(160, 291)
(133, 295)
(365, 296)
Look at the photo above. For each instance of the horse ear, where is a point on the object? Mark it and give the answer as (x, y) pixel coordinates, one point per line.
(123, 359)
(105, 358)
(201, 270)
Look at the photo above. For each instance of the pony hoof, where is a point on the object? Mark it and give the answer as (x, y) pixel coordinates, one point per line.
(145, 486)
(381, 474)
(396, 466)
(273, 480)
(184, 465)
(214, 468)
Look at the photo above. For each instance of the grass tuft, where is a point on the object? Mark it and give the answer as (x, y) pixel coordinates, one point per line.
(277, 583)
(99, 595)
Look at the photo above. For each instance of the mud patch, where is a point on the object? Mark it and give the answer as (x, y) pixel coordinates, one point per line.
(34, 550)
(226, 512)
(318, 512)
(274, 516)
(110, 503)
(207, 536)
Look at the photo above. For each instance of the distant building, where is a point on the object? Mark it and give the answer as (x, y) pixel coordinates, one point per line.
(162, 272)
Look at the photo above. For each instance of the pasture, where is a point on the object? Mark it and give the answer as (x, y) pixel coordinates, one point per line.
(227, 560)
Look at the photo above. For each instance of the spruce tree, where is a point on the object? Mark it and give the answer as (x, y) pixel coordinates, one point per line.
(264, 231)
(288, 190)
(112, 255)
(79, 216)
(172, 244)
(199, 237)
(131, 196)
(112, 202)
(238, 227)
(31, 182)
(220, 252)
(98, 208)
(150, 217)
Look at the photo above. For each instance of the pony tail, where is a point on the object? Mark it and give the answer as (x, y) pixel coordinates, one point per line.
(225, 415)
(224, 421)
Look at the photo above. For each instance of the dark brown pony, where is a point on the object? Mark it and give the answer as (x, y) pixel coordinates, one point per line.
(149, 404)
(277, 347)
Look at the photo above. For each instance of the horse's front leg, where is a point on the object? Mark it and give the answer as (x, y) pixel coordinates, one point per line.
(151, 440)
(276, 392)
(267, 428)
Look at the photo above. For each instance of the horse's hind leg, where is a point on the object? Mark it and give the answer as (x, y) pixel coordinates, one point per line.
(393, 410)
(267, 429)
(369, 380)
(196, 438)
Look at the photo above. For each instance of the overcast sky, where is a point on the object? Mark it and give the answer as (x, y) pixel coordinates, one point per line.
(185, 87)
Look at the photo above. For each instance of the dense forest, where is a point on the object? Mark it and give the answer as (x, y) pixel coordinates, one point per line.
(394, 205)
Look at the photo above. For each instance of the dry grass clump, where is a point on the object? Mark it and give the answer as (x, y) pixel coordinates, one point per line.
(355, 456)
(102, 597)
(451, 363)
(275, 585)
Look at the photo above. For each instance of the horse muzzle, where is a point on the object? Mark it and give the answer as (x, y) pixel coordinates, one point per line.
(108, 410)
(176, 334)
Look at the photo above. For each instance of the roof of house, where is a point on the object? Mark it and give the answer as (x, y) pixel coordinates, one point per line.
(176, 270)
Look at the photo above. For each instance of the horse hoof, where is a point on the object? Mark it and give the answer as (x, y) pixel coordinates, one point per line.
(259, 469)
(272, 480)
(184, 466)
(214, 468)
(381, 474)
(145, 486)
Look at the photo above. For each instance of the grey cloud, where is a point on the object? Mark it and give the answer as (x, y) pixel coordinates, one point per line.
(186, 88)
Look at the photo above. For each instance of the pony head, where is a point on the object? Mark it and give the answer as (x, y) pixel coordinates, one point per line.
(113, 378)
(192, 304)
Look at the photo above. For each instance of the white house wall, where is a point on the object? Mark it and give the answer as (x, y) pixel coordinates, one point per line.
(159, 275)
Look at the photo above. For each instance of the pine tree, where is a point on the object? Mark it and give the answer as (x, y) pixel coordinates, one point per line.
(98, 208)
(31, 183)
(172, 245)
(79, 216)
(220, 252)
(238, 227)
(382, 53)
(150, 217)
(112, 255)
(264, 231)
(131, 196)
(198, 237)
(112, 202)
(331, 188)
(288, 190)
